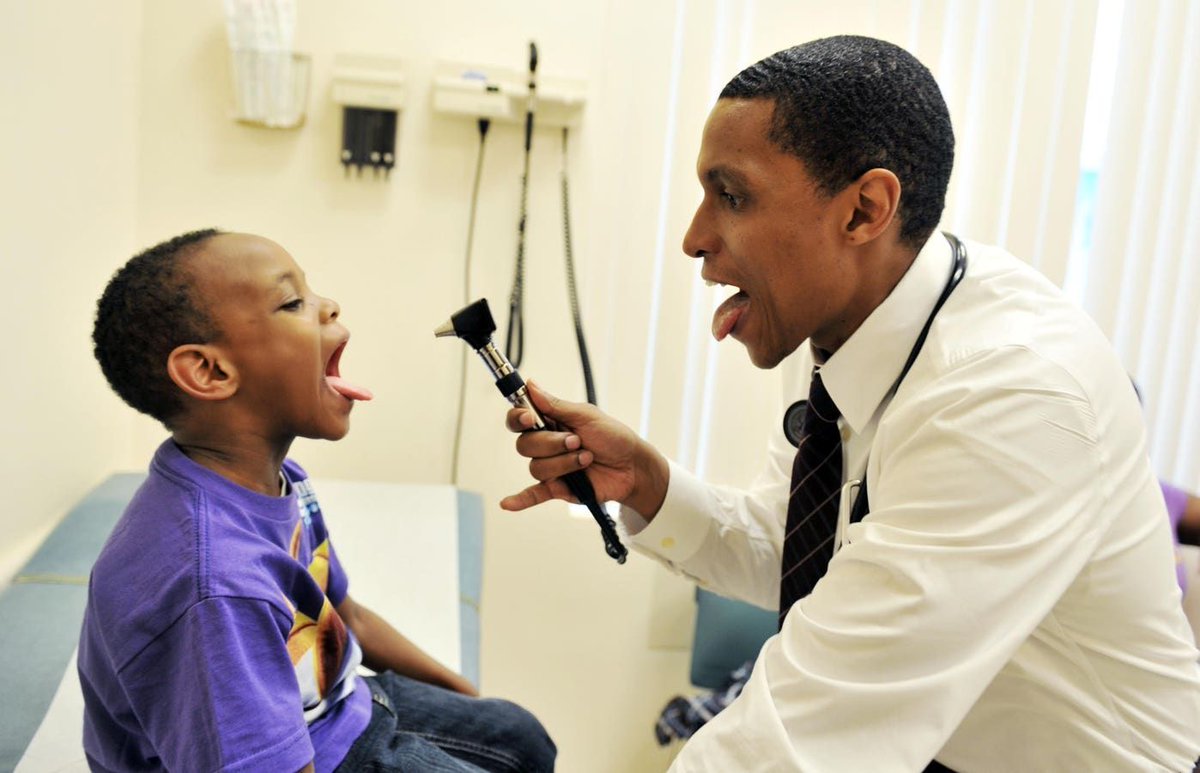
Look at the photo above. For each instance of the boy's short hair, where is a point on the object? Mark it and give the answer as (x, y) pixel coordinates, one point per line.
(148, 308)
(845, 105)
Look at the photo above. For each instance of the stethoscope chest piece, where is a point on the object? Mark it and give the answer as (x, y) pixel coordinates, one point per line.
(793, 422)
(793, 417)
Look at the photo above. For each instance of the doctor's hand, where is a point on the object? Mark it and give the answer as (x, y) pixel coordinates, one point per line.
(622, 467)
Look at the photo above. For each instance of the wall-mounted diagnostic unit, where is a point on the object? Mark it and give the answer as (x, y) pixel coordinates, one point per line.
(501, 94)
(487, 94)
(371, 91)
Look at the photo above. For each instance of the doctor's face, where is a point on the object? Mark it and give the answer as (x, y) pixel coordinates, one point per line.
(765, 230)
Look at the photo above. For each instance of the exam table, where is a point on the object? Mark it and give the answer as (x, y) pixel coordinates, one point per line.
(413, 553)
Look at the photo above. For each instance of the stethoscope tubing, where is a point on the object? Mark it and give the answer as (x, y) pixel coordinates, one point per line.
(793, 417)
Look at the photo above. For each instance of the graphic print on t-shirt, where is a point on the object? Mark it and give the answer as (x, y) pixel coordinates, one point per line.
(317, 644)
(323, 653)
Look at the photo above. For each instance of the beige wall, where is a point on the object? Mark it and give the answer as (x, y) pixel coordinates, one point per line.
(67, 215)
(139, 98)
(390, 252)
(118, 134)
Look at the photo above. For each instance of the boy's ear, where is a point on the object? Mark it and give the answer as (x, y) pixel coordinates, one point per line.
(875, 201)
(202, 371)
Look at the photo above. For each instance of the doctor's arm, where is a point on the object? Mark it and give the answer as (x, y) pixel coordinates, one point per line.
(728, 539)
(878, 666)
(621, 466)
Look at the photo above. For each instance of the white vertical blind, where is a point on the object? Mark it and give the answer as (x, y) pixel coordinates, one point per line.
(1015, 77)
(1141, 282)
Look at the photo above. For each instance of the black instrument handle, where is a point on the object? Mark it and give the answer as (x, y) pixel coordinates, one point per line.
(581, 487)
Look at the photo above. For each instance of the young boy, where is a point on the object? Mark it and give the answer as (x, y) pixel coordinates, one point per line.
(219, 634)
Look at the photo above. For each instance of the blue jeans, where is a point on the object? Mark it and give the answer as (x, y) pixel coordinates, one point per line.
(418, 727)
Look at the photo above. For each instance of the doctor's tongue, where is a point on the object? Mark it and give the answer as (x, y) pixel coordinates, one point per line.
(726, 317)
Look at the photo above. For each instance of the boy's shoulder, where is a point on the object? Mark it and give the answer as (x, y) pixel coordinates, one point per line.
(186, 536)
(157, 538)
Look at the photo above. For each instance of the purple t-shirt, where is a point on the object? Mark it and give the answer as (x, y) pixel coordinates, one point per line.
(1177, 500)
(211, 639)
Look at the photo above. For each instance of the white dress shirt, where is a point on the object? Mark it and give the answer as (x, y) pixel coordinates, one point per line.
(1009, 603)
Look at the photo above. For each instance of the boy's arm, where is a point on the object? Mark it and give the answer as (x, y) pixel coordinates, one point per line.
(386, 649)
(1189, 524)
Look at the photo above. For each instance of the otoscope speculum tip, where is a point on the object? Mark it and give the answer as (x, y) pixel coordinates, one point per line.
(472, 323)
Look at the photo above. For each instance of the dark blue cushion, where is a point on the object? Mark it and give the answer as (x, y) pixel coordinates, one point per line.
(728, 633)
(43, 609)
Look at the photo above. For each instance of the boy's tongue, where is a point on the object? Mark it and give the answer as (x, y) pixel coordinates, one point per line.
(728, 313)
(348, 390)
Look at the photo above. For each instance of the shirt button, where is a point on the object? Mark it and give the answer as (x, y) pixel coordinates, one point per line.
(668, 542)
(845, 434)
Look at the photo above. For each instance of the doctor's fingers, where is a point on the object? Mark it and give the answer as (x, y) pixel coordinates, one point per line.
(536, 495)
(553, 467)
(518, 420)
(536, 445)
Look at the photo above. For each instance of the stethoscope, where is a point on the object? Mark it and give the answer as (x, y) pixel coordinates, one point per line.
(793, 417)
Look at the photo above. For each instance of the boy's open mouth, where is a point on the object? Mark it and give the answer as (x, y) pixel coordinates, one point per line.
(333, 378)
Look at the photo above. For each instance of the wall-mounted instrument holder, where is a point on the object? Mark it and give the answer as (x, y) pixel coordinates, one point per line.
(501, 93)
(371, 91)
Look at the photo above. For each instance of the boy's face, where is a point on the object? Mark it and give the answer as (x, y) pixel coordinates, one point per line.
(283, 339)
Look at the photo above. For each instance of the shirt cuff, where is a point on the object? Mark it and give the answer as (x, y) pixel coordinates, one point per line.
(682, 523)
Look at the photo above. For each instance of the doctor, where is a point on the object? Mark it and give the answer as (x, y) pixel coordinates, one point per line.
(976, 565)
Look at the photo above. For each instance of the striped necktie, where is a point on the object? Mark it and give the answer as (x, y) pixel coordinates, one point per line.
(813, 505)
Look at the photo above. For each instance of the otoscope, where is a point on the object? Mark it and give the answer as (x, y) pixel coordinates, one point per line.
(474, 324)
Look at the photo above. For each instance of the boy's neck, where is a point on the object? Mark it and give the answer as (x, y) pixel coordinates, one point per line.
(252, 465)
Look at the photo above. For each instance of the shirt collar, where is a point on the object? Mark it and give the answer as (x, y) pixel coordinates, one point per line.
(861, 373)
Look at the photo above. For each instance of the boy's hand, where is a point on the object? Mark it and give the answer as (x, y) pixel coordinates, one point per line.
(622, 467)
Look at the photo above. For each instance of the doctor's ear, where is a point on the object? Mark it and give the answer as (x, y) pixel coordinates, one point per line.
(202, 371)
(875, 201)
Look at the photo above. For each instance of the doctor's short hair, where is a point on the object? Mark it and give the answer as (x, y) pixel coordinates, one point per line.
(148, 308)
(845, 105)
